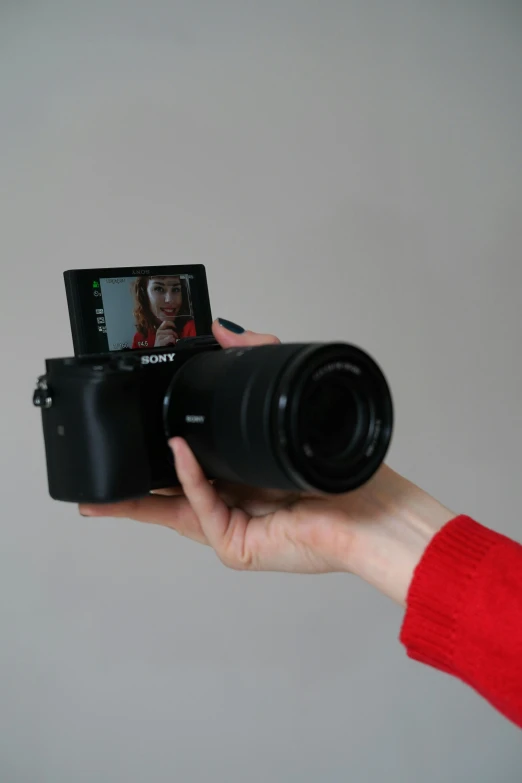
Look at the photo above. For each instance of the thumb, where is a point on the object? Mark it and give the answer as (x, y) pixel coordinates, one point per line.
(230, 335)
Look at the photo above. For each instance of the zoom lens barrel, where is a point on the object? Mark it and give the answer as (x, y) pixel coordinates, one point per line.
(301, 417)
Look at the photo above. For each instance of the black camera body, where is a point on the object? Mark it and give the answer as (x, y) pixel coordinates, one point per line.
(300, 417)
(103, 425)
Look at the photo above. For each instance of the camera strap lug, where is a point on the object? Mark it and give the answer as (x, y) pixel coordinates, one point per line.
(42, 396)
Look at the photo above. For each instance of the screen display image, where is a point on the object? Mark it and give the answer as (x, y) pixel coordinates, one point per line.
(121, 309)
(145, 312)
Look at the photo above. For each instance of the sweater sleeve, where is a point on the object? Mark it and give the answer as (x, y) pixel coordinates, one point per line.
(464, 612)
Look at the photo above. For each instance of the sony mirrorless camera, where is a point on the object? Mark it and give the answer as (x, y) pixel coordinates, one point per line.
(312, 417)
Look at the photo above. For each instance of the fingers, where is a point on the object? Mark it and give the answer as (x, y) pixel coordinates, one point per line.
(207, 505)
(169, 491)
(165, 338)
(173, 512)
(232, 338)
(167, 329)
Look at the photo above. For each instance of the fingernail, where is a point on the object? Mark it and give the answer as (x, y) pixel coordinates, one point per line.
(173, 445)
(178, 455)
(231, 326)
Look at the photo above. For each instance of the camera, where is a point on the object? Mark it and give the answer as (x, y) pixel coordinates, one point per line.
(312, 417)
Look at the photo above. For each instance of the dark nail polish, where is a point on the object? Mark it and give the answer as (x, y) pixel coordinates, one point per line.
(231, 326)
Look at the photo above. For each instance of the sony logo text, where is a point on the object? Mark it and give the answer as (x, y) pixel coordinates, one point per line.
(157, 358)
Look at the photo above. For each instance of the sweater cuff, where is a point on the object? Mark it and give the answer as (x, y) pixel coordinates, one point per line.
(439, 589)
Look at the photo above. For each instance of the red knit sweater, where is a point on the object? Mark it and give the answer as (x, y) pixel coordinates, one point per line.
(464, 612)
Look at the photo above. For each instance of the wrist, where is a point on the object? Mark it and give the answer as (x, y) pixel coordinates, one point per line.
(400, 521)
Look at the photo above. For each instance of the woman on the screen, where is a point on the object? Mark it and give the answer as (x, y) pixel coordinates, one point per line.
(162, 311)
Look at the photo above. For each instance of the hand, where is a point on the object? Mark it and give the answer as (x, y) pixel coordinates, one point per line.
(378, 531)
(166, 335)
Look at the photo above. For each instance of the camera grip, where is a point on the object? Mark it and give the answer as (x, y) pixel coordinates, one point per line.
(94, 438)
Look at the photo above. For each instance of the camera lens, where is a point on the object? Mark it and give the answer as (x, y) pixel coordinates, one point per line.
(331, 418)
(312, 417)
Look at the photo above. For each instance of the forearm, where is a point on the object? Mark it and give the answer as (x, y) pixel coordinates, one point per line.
(400, 521)
(461, 584)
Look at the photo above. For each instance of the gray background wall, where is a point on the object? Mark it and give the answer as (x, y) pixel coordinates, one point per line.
(375, 144)
(118, 305)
